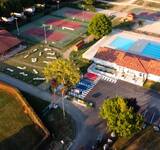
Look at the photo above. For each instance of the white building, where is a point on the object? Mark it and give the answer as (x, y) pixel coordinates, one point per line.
(117, 64)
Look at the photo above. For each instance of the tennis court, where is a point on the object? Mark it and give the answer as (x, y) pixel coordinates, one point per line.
(75, 14)
(59, 32)
(59, 23)
(51, 36)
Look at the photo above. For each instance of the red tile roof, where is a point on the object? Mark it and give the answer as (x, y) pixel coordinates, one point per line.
(7, 41)
(135, 62)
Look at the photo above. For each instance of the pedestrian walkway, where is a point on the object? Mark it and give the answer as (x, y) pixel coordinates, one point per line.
(35, 91)
(109, 79)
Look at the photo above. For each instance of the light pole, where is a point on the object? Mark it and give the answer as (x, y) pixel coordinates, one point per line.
(62, 92)
(58, 4)
(83, 11)
(45, 35)
(62, 142)
(18, 33)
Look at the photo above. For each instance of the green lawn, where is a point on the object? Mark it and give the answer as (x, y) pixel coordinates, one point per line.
(17, 131)
(37, 104)
(103, 5)
(61, 129)
(152, 85)
(147, 139)
(76, 57)
(153, 4)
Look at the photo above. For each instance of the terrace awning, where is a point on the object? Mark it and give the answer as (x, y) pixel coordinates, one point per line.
(90, 76)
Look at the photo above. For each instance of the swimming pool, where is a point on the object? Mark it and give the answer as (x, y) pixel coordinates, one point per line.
(122, 43)
(152, 50)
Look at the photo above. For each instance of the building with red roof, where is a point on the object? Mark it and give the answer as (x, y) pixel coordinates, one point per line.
(7, 41)
(125, 66)
(139, 62)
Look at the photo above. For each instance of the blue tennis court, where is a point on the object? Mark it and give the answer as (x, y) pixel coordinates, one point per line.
(152, 50)
(86, 82)
(122, 43)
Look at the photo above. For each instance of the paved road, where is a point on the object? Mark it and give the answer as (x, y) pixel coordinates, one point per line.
(37, 92)
(86, 130)
(67, 53)
(145, 98)
(88, 124)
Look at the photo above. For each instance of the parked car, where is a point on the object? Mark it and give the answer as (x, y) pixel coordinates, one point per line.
(95, 95)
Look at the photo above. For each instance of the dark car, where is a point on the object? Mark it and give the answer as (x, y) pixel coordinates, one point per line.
(96, 94)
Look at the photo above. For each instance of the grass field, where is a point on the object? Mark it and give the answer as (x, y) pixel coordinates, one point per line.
(152, 85)
(17, 131)
(59, 127)
(37, 104)
(147, 139)
(43, 54)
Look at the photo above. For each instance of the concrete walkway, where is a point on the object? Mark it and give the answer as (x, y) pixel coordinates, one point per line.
(67, 53)
(129, 4)
(37, 92)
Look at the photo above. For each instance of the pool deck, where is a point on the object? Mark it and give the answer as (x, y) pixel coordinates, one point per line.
(137, 48)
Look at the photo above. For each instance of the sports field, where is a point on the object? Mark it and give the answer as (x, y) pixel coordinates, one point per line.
(74, 14)
(29, 64)
(17, 131)
(59, 32)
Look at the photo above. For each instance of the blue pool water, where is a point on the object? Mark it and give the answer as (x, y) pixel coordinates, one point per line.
(122, 43)
(152, 50)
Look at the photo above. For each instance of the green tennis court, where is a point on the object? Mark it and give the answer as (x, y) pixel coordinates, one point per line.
(74, 14)
(57, 31)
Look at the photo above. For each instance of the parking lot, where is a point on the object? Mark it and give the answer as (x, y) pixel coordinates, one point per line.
(148, 100)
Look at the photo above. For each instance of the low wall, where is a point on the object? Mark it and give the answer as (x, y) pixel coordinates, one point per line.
(27, 109)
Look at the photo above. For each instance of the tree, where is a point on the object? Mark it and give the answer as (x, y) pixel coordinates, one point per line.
(4, 8)
(100, 25)
(89, 2)
(63, 71)
(27, 3)
(15, 6)
(121, 118)
(39, 1)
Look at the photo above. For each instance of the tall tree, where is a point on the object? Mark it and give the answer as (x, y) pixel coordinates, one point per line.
(63, 71)
(39, 1)
(121, 118)
(27, 3)
(100, 25)
(4, 8)
(15, 6)
(89, 2)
